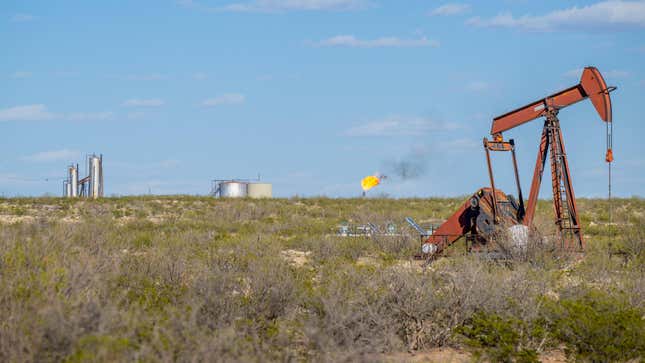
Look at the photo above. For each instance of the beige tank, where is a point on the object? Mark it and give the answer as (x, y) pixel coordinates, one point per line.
(260, 190)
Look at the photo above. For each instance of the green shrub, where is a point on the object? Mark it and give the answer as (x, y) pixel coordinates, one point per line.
(499, 339)
(598, 327)
(142, 240)
(99, 348)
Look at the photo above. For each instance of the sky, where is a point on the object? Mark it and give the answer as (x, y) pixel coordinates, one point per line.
(312, 95)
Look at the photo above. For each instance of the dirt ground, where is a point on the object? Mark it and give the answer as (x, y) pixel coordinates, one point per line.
(452, 355)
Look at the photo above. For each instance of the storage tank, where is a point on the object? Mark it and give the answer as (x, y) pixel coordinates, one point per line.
(73, 181)
(260, 190)
(232, 189)
(96, 176)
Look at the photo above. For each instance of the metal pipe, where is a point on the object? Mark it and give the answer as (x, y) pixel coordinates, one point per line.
(537, 175)
(88, 190)
(517, 181)
(492, 180)
(73, 176)
(95, 172)
(101, 175)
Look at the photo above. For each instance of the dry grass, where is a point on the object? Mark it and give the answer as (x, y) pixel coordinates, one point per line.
(198, 279)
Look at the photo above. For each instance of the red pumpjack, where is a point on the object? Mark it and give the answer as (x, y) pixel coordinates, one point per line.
(490, 209)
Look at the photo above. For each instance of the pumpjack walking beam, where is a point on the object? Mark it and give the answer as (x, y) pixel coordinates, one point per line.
(592, 86)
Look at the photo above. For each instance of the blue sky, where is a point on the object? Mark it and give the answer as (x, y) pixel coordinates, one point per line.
(311, 94)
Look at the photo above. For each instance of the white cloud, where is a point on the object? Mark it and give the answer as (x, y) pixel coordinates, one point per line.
(352, 41)
(53, 155)
(450, 9)
(21, 75)
(225, 99)
(477, 86)
(612, 14)
(26, 113)
(297, 5)
(400, 126)
(39, 112)
(136, 102)
(21, 18)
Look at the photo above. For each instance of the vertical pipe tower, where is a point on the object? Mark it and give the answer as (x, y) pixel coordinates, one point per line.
(72, 181)
(96, 176)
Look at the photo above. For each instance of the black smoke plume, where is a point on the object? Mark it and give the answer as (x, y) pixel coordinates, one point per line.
(410, 167)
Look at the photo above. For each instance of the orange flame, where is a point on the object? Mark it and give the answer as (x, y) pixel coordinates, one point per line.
(370, 182)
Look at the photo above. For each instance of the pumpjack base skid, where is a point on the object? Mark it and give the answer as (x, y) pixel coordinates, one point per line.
(475, 220)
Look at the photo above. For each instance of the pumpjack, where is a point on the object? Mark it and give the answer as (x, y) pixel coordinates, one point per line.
(490, 209)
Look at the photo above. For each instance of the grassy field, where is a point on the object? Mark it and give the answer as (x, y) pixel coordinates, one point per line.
(199, 279)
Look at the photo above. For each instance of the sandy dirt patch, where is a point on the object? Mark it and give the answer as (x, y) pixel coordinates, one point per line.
(296, 258)
(12, 219)
(438, 355)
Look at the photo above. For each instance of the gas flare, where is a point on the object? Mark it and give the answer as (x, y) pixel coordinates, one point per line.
(370, 182)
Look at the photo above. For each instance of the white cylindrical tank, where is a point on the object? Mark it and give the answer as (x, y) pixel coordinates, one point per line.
(260, 190)
(96, 177)
(73, 181)
(233, 189)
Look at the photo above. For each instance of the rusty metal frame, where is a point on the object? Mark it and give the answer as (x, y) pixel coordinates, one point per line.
(592, 86)
(566, 214)
(500, 145)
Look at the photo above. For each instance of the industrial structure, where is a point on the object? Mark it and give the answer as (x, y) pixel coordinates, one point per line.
(490, 211)
(90, 186)
(367, 230)
(241, 188)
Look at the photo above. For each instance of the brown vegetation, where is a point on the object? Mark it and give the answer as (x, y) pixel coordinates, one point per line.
(198, 279)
